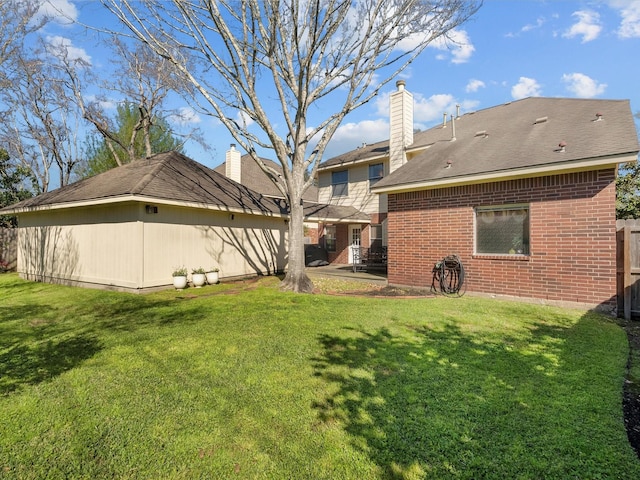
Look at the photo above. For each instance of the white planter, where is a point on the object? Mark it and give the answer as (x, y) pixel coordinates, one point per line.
(212, 278)
(198, 279)
(180, 282)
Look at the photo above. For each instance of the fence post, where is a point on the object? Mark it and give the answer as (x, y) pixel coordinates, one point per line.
(628, 278)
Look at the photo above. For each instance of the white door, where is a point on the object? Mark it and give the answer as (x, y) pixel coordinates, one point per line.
(354, 240)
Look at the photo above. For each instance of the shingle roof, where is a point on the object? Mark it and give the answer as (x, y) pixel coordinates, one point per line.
(166, 176)
(254, 177)
(334, 213)
(519, 135)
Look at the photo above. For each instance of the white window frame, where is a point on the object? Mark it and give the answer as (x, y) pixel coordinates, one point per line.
(339, 189)
(375, 179)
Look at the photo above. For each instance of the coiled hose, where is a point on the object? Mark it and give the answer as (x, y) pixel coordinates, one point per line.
(448, 277)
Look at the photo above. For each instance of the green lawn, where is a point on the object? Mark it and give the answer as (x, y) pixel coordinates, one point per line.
(264, 384)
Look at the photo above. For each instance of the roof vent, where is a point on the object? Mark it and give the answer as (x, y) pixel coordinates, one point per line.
(444, 120)
(540, 120)
(598, 117)
(561, 147)
(481, 133)
(453, 128)
(449, 163)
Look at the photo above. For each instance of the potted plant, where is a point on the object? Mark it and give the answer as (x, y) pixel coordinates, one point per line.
(213, 276)
(180, 278)
(198, 277)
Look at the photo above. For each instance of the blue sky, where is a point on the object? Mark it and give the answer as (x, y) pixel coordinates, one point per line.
(511, 49)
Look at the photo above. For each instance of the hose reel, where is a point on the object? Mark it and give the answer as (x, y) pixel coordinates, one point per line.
(448, 277)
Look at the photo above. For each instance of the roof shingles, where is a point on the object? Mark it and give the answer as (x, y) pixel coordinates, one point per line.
(507, 138)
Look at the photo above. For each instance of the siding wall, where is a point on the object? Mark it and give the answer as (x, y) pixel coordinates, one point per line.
(573, 237)
(123, 246)
(8, 246)
(359, 195)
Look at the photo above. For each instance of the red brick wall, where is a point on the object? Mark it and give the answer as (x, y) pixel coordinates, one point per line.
(572, 241)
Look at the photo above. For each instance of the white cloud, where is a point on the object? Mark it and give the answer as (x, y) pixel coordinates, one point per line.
(244, 120)
(351, 135)
(103, 103)
(62, 12)
(588, 26)
(61, 46)
(630, 12)
(583, 86)
(533, 26)
(526, 87)
(474, 85)
(458, 43)
(186, 116)
(432, 108)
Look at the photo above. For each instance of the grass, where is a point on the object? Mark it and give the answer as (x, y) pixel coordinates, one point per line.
(244, 381)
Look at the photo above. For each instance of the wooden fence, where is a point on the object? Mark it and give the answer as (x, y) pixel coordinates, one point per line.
(8, 247)
(628, 268)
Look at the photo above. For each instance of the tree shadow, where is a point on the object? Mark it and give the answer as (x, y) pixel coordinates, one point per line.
(23, 365)
(39, 341)
(263, 250)
(50, 254)
(441, 402)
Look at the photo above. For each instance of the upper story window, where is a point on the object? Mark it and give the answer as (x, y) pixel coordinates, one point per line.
(376, 172)
(340, 183)
(502, 230)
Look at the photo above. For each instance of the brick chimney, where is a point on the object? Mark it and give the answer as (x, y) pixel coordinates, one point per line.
(232, 164)
(400, 125)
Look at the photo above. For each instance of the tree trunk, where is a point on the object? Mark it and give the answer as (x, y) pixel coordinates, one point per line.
(296, 279)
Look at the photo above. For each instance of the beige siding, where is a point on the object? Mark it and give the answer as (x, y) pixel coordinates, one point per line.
(91, 245)
(238, 244)
(124, 246)
(359, 195)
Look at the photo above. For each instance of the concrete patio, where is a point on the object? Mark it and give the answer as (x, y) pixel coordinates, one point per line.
(345, 272)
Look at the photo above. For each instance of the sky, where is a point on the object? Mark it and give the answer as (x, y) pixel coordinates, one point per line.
(511, 49)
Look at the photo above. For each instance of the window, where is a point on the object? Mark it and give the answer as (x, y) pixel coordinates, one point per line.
(339, 183)
(376, 172)
(330, 238)
(376, 237)
(502, 230)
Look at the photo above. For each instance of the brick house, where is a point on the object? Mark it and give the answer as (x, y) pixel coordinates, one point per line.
(523, 193)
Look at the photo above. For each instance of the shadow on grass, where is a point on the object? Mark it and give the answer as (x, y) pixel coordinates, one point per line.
(31, 364)
(53, 334)
(447, 403)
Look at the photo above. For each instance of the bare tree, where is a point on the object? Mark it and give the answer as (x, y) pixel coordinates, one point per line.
(40, 124)
(329, 55)
(141, 78)
(17, 20)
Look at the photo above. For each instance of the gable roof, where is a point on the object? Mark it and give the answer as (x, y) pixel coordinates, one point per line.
(252, 176)
(166, 177)
(529, 137)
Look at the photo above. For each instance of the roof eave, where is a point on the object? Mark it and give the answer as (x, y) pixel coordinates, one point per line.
(501, 175)
(373, 158)
(139, 199)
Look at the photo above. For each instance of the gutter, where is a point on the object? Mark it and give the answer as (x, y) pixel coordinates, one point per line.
(503, 175)
(137, 199)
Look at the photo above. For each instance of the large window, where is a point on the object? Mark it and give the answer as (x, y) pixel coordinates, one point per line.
(330, 238)
(376, 172)
(340, 183)
(502, 230)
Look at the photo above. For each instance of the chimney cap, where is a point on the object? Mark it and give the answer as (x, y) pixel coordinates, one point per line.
(400, 84)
